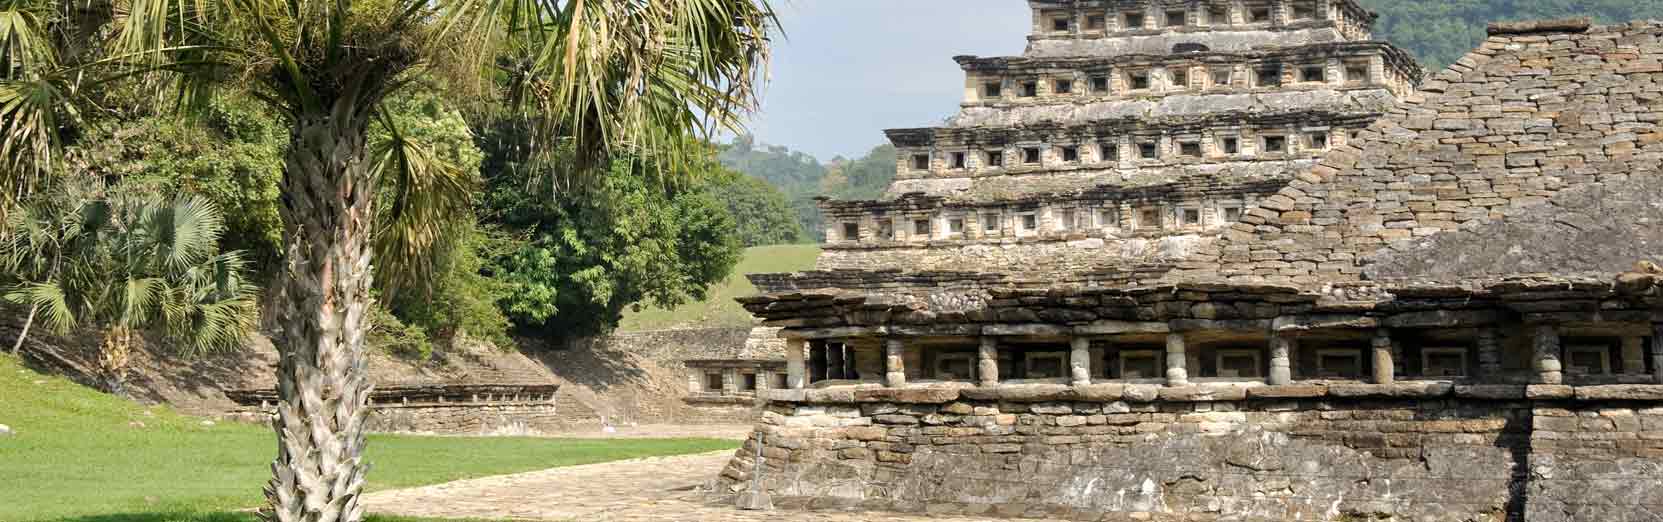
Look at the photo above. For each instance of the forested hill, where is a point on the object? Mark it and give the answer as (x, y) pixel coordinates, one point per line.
(1441, 31)
(802, 177)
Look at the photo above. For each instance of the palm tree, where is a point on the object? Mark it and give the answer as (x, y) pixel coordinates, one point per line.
(127, 263)
(596, 75)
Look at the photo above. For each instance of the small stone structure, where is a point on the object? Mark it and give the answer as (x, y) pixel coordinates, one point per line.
(1229, 260)
(447, 409)
(681, 376)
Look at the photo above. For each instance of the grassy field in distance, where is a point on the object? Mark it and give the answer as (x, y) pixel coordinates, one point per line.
(720, 309)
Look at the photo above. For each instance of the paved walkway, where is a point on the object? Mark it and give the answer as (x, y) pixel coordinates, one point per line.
(662, 431)
(659, 489)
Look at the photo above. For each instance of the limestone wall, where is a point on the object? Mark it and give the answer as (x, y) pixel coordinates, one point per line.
(1500, 134)
(1407, 452)
(1030, 257)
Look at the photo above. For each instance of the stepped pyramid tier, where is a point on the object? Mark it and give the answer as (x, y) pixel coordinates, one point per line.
(1320, 296)
(1134, 123)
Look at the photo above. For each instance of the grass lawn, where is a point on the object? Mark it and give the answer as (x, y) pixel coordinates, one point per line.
(720, 309)
(82, 456)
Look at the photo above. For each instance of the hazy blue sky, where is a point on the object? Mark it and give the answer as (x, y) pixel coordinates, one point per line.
(847, 69)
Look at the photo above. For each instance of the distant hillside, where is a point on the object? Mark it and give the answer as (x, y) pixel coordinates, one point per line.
(1440, 31)
(803, 177)
(719, 308)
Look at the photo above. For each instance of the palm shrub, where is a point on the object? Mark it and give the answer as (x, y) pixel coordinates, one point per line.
(597, 75)
(126, 263)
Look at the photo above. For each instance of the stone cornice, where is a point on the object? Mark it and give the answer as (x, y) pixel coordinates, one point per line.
(1399, 60)
(985, 135)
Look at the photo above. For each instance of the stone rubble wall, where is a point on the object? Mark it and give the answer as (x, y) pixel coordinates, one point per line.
(1412, 452)
(1573, 233)
(530, 418)
(1504, 130)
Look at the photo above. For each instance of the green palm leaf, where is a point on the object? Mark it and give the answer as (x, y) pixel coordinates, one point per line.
(427, 193)
(51, 299)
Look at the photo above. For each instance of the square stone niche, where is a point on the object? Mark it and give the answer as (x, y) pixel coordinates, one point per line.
(1444, 361)
(1239, 363)
(954, 366)
(1588, 359)
(1040, 361)
(1339, 363)
(1140, 364)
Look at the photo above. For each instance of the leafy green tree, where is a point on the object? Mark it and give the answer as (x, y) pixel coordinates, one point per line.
(599, 75)
(631, 239)
(232, 155)
(128, 262)
(761, 212)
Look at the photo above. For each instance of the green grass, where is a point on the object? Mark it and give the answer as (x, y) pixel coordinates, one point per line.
(77, 456)
(720, 309)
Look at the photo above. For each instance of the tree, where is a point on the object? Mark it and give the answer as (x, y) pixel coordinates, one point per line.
(125, 263)
(633, 238)
(598, 75)
(760, 211)
(231, 155)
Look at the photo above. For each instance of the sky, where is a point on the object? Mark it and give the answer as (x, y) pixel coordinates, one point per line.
(848, 69)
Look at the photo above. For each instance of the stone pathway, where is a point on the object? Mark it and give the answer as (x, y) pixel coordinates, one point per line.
(661, 489)
(662, 431)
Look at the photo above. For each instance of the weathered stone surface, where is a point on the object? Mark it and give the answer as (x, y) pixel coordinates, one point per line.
(1397, 390)
(1491, 391)
(933, 394)
(1101, 392)
(1358, 454)
(1204, 393)
(1141, 392)
(1592, 228)
(1313, 322)
(840, 394)
(1021, 393)
(1292, 391)
(1120, 327)
(1549, 391)
(1619, 393)
(782, 395)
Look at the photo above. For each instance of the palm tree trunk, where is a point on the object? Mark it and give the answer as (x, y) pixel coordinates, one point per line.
(114, 355)
(18, 346)
(322, 381)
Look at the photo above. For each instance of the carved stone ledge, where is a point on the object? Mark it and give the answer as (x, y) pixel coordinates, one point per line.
(944, 393)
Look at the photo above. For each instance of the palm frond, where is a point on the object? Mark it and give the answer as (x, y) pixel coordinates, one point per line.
(25, 47)
(53, 301)
(646, 75)
(428, 194)
(185, 232)
(213, 307)
(31, 113)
